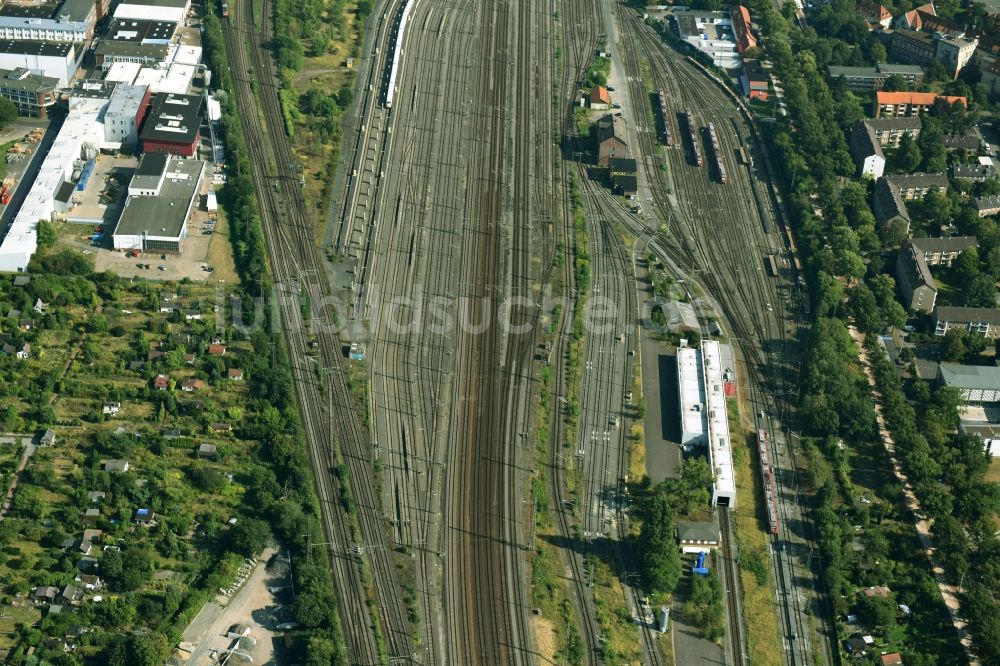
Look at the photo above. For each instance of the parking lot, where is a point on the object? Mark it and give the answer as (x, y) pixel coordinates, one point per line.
(207, 243)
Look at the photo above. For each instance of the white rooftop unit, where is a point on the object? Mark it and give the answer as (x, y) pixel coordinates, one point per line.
(214, 108)
(690, 382)
(720, 452)
(185, 54)
(149, 76)
(123, 72)
(176, 80)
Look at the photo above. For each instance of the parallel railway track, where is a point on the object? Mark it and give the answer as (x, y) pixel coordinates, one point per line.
(328, 410)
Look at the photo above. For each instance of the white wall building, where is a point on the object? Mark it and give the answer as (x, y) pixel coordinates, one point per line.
(720, 452)
(690, 382)
(53, 59)
(80, 137)
(121, 122)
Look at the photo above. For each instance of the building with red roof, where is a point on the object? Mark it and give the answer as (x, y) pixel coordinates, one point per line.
(906, 104)
(741, 29)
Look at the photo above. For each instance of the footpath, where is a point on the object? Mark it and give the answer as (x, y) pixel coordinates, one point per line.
(949, 591)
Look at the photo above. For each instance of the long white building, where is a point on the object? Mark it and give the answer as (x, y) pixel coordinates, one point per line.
(154, 10)
(80, 137)
(691, 385)
(720, 450)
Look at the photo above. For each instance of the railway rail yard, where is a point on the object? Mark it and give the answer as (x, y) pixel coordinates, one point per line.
(452, 217)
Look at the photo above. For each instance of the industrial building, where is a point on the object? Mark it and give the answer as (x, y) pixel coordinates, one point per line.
(57, 60)
(691, 385)
(161, 197)
(709, 33)
(173, 125)
(142, 31)
(720, 452)
(127, 106)
(695, 537)
(704, 416)
(32, 94)
(79, 138)
(71, 21)
(611, 141)
(107, 53)
(154, 10)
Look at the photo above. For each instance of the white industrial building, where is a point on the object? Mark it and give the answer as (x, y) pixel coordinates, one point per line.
(123, 115)
(154, 10)
(79, 138)
(691, 385)
(711, 33)
(720, 451)
(161, 196)
(53, 59)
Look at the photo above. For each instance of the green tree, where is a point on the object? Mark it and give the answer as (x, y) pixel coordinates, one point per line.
(953, 345)
(878, 611)
(908, 156)
(311, 608)
(660, 560)
(322, 652)
(249, 536)
(46, 231)
(896, 83)
(8, 112)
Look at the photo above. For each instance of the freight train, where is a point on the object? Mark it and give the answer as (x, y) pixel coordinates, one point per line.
(767, 482)
(720, 165)
(692, 129)
(666, 138)
(225, 8)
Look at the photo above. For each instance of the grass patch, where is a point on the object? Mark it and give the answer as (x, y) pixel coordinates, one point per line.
(759, 612)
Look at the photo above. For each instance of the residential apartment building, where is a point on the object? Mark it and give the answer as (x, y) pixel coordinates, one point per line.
(754, 80)
(985, 321)
(913, 277)
(955, 50)
(888, 205)
(745, 38)
(913, 47)
(987, 206)
(942, 251)
(916, 185)
(977, 173)
(876, 15)
(890, 131)
(908, 104)
(865, 79)
(866, 151)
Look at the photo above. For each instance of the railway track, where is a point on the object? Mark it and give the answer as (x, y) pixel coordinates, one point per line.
(363, 573)
(731, 583)
(752, 307)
